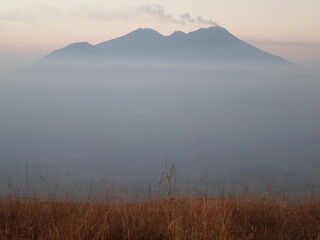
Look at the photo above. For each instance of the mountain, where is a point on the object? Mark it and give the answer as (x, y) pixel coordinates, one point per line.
(211, 46)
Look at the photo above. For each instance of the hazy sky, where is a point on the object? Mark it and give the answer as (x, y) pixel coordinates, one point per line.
(31, 29)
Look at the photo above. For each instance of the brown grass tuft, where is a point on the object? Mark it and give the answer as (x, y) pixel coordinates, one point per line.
(185, 218)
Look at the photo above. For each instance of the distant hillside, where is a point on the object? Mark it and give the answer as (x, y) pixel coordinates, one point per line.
(210, 46)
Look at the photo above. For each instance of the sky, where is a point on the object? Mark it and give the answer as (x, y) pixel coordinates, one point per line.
(31, 29)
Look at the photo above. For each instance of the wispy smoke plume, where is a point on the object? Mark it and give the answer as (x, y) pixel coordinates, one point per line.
(160, 12)
(41, 14)
(188, 18)
(156, 11)
(206, 21)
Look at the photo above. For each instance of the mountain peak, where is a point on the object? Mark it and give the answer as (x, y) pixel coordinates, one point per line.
(144, 33)
(177, 34)
(141, 35)
(145, 30)
(216, 30)
(215, 34)
(79, 45)
(74, 49)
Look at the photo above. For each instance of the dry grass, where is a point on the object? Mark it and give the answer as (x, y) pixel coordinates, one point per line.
(243, 217)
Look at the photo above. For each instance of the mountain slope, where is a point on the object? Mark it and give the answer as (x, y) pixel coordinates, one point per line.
(213, 45)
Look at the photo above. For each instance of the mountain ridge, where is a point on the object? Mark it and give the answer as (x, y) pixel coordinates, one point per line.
(213, 45)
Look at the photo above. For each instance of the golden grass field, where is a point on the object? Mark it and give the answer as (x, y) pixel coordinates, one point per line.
(233, 217)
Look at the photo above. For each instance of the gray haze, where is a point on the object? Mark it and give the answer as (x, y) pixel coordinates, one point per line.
(226, 114)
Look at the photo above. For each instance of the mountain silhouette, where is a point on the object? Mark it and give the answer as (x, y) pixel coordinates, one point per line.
(213, 45)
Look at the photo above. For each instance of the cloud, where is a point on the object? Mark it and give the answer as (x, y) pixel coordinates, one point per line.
(160, 13)
(156, 11)
(206, 21)
(188, 18)
(36, 15)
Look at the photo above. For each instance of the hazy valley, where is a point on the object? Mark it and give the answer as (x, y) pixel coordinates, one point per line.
(225, 113)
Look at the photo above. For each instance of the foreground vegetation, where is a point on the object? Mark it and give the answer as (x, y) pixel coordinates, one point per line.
(241, 217)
